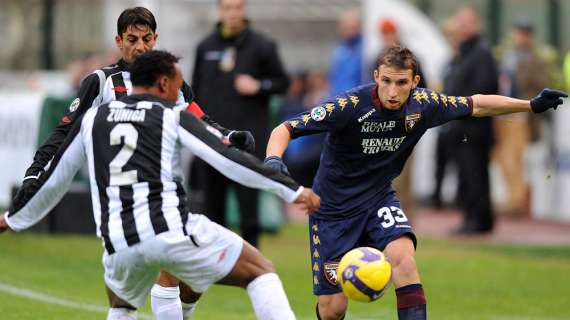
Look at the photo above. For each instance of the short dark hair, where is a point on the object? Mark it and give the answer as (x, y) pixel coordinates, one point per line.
(400, 58)
(149, 66)
(133, 17)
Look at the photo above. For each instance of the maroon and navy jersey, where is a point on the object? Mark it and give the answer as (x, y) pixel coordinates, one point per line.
(366, 145)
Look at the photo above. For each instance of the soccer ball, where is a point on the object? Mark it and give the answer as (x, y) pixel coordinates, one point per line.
(364, 274)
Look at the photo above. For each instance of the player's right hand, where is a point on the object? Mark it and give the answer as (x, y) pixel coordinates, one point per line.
(308, 200)
(548, 98)
(276, 163)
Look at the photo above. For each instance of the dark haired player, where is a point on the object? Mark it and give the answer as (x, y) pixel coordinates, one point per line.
(132, 150)
(136, 34)
(372, 130)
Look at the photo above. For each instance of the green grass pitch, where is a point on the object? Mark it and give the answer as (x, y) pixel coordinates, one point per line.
(60, 277)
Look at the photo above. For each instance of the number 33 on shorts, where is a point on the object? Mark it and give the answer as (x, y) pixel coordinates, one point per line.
(391, 215)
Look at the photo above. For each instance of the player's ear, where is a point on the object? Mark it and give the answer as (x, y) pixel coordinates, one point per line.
(416, 81)
(163, 83)
(376, 75)
(119, 42)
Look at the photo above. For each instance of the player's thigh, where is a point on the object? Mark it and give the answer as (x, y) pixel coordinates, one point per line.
(250, 265)
(206, 256)
(129, 276)
(329, 241)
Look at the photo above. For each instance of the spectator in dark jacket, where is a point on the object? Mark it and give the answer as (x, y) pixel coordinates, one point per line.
(473, 71)
(236, 71)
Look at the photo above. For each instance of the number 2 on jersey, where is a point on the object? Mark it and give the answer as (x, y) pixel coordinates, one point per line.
(118, 177)
(391, 215)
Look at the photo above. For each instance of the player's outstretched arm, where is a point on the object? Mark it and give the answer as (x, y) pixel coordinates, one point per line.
(206, 142)
(278, 141)
(493, 105)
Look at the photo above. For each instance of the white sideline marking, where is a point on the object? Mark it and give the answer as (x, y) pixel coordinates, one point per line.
(26, 293)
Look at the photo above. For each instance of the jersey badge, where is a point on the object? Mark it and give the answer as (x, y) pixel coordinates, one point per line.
(306, 118)
(74, 105)
(294, 123)
(411, 120)
(318, 113)
(330, 269)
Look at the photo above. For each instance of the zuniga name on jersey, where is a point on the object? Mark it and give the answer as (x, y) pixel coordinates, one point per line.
(126, 115)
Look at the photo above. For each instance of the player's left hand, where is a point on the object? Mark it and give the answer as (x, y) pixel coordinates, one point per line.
(3, 225)
(548, 98)
(242, 140)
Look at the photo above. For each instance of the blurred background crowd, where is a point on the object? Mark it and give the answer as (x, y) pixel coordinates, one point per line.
(516, 166)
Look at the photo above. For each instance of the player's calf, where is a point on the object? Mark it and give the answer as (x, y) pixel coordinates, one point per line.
(409, 291)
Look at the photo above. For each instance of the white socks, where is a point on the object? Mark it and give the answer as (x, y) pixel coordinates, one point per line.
(121, 314)
(268, 298)
(165, 303)
(188, 309)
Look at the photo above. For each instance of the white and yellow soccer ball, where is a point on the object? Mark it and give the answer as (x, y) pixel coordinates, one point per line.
(364, 274)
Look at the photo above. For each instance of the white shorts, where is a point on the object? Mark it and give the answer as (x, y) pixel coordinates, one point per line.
(200, 260)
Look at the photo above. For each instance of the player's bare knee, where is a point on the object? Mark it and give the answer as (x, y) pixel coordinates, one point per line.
(405, 267)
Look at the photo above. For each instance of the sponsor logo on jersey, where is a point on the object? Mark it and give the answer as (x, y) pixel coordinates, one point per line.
(411, 120)
(74, 105)
(126, 115)
(366, 115)
(371, 126)
(330, 272)
(318, 113)
(373, 146)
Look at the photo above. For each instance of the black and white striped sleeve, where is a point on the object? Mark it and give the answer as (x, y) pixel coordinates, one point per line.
(29, 208)
(206, 142)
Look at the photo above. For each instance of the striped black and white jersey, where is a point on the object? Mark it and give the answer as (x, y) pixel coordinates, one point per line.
(132, 149)
(102, 86)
